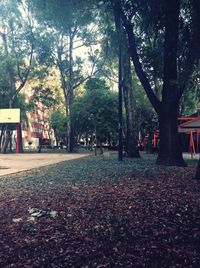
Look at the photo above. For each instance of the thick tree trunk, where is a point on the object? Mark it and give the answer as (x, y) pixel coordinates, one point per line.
(170, 151)
(169, 148)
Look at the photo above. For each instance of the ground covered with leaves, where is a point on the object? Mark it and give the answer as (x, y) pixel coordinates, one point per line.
(97, 212)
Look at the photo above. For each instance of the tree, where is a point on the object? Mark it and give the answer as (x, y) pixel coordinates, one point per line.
(69, 23)
(58, 122)
(147, 121)
(129, 103)
(191, 97)
(109, 27)
(44, 100)
(95, 112)
(177, 66)
(17, 46)
(17, 49)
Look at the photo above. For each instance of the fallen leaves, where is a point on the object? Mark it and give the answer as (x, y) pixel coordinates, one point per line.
(137, 217)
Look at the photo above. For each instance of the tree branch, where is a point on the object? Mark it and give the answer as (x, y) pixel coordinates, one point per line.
(26, 74)
(85, 79)
(137, 64)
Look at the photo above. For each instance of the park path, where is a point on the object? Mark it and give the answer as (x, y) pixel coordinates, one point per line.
(14, 163)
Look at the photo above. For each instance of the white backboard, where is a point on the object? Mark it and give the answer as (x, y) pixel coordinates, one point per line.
(10, 115)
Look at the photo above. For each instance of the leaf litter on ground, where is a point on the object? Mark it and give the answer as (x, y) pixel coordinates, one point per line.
(97, 212)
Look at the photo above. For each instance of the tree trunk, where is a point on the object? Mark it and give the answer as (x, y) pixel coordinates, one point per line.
(98, 146)
(6, 140)
(131, 147)
(149, 147)
(131, 142)
(1, 136)
(40, 145)
(170, 151)
(70, 97)
(19, 138)
(70, 136)
(10, 78)
(169, 148)
(10, 143)
(21, 149)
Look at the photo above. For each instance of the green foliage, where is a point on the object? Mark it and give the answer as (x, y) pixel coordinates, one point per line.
(57, 20)
(68, 23)
(45, 88)
(145, 114)
(23, 105)
(58, 122)
(189, 102)
(191, 97)
(62, 14)
(149, 18)
(44, 96)
(96, 84)
(96, 111)
(16, 46)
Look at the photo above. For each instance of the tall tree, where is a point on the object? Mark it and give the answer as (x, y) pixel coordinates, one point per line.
(95, 112)
(45, 97)
(108, 25)
(17, 45)
(70, 20)
(171, 19)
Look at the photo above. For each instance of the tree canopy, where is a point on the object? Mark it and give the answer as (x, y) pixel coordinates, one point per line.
(161, 38)
(95, 112)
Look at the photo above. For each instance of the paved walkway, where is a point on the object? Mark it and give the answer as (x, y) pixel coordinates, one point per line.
(13, 163)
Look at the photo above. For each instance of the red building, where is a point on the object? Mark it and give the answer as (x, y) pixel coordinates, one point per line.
(36, 127)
